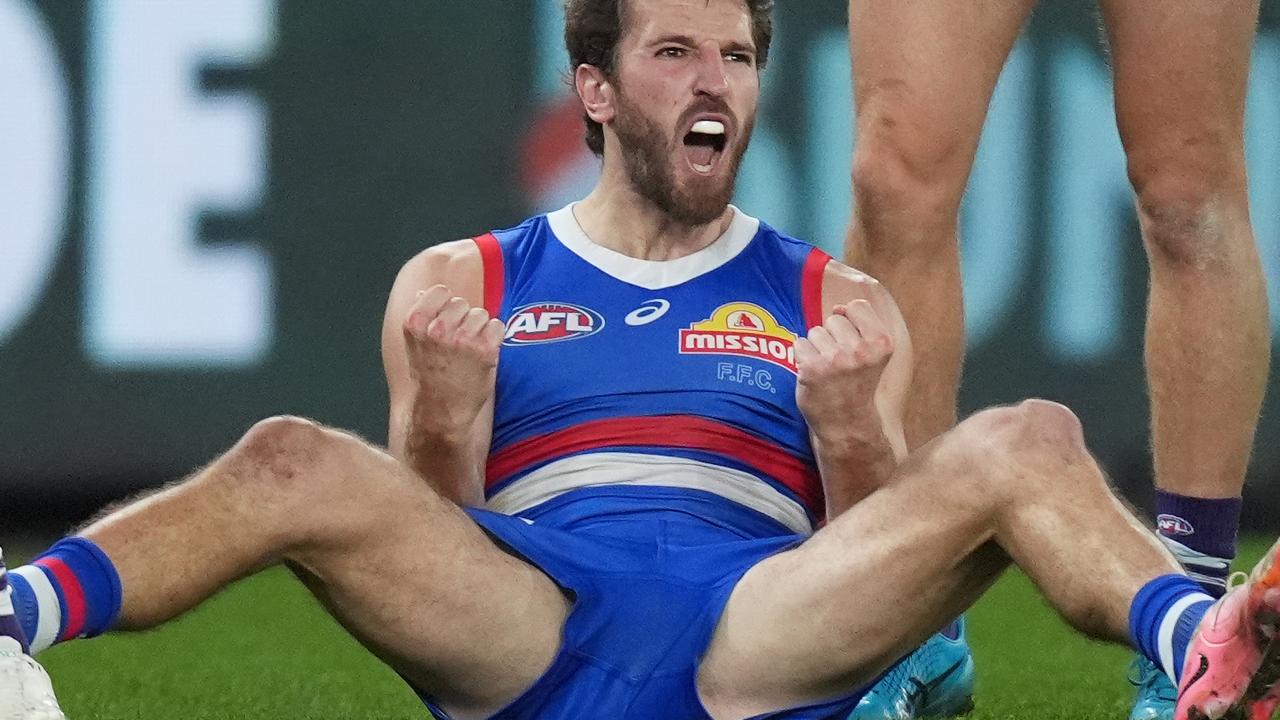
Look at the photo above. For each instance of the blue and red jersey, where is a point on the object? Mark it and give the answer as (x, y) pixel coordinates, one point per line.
(678, 374)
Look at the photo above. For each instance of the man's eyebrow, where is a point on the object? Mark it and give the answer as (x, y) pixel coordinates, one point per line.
(677, 38)
(674, 38)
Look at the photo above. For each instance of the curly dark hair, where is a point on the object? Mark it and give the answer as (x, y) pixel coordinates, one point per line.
(593, 29)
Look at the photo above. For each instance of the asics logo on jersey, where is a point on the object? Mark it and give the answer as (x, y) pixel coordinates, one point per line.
(648, 312)
(744, 330)
(551, 322)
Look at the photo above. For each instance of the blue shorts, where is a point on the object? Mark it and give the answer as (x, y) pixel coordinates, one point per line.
(648, 587)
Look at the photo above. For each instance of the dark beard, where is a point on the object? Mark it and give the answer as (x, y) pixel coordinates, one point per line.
(646, 156)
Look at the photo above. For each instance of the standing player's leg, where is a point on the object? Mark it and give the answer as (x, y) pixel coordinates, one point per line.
(810, 624)
(1180, 76)
(1180, 83)
(923, 76)
(404, 570)
(924, 73)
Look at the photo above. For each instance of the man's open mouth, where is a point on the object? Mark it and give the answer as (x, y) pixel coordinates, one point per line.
(704, 145)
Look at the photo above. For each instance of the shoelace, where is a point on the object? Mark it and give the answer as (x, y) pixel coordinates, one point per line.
(1234, 580)
(1147, 677)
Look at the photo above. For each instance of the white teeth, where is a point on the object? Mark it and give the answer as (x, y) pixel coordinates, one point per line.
(709, 127)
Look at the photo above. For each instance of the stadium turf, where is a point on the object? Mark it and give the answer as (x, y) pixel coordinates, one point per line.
(264, 649)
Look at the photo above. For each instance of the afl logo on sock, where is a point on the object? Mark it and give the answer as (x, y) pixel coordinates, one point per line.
(1174, 525)
(551, 322)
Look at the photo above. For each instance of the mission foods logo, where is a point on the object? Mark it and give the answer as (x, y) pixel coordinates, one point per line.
(744, 330)
(551, 322)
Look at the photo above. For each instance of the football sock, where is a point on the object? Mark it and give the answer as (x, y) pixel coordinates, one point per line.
(70, 591)
(1164, 615)
(9, 625)
(1201, 533)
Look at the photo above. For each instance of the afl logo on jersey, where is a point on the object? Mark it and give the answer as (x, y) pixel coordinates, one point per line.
(744, 330)
(551, 322)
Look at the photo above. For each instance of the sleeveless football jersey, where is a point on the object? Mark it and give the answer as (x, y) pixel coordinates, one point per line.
(679, 374)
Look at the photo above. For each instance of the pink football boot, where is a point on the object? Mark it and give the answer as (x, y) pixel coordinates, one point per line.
(1233, 661)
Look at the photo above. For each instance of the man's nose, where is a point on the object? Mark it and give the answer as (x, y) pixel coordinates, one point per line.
(712, 79)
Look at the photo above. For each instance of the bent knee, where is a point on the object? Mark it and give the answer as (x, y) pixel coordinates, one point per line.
(1028, 425)
(1053, 421)
(285, 446)
(283, 432)
(1019, 449)
(304, 460)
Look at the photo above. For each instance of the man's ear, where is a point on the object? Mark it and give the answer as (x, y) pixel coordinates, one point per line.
(596, 91)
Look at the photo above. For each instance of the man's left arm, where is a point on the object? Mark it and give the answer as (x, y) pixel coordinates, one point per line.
(854, 372)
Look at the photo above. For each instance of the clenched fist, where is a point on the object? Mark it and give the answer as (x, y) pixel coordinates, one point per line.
(453, 355)
(839, 367)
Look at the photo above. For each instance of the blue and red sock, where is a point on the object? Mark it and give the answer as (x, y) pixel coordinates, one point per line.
(70, 591)
(1201, 534)
(1164, 615)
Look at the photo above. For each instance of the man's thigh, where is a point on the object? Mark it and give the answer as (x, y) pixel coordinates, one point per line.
(817, 622)
(924, 71)
(1181, 70)
(420, 584)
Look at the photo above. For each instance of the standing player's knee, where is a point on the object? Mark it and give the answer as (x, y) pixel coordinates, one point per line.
(1189, 198)
(904, 174)
(892, 177)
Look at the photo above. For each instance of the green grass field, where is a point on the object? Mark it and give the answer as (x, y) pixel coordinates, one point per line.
(264, 649)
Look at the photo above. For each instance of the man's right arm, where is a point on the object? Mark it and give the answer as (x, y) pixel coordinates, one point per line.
(431, 425)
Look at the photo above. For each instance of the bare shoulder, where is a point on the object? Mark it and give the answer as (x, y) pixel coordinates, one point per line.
(457, 265)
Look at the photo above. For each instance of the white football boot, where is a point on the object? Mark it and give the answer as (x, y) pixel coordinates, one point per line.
(25, 690)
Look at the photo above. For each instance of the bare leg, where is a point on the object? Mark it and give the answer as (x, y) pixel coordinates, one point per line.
(404, 570)
(1181, 70)
(810, 624)
(924, 72)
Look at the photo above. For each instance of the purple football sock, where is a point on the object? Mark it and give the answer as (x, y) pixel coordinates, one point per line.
(1201, 533)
